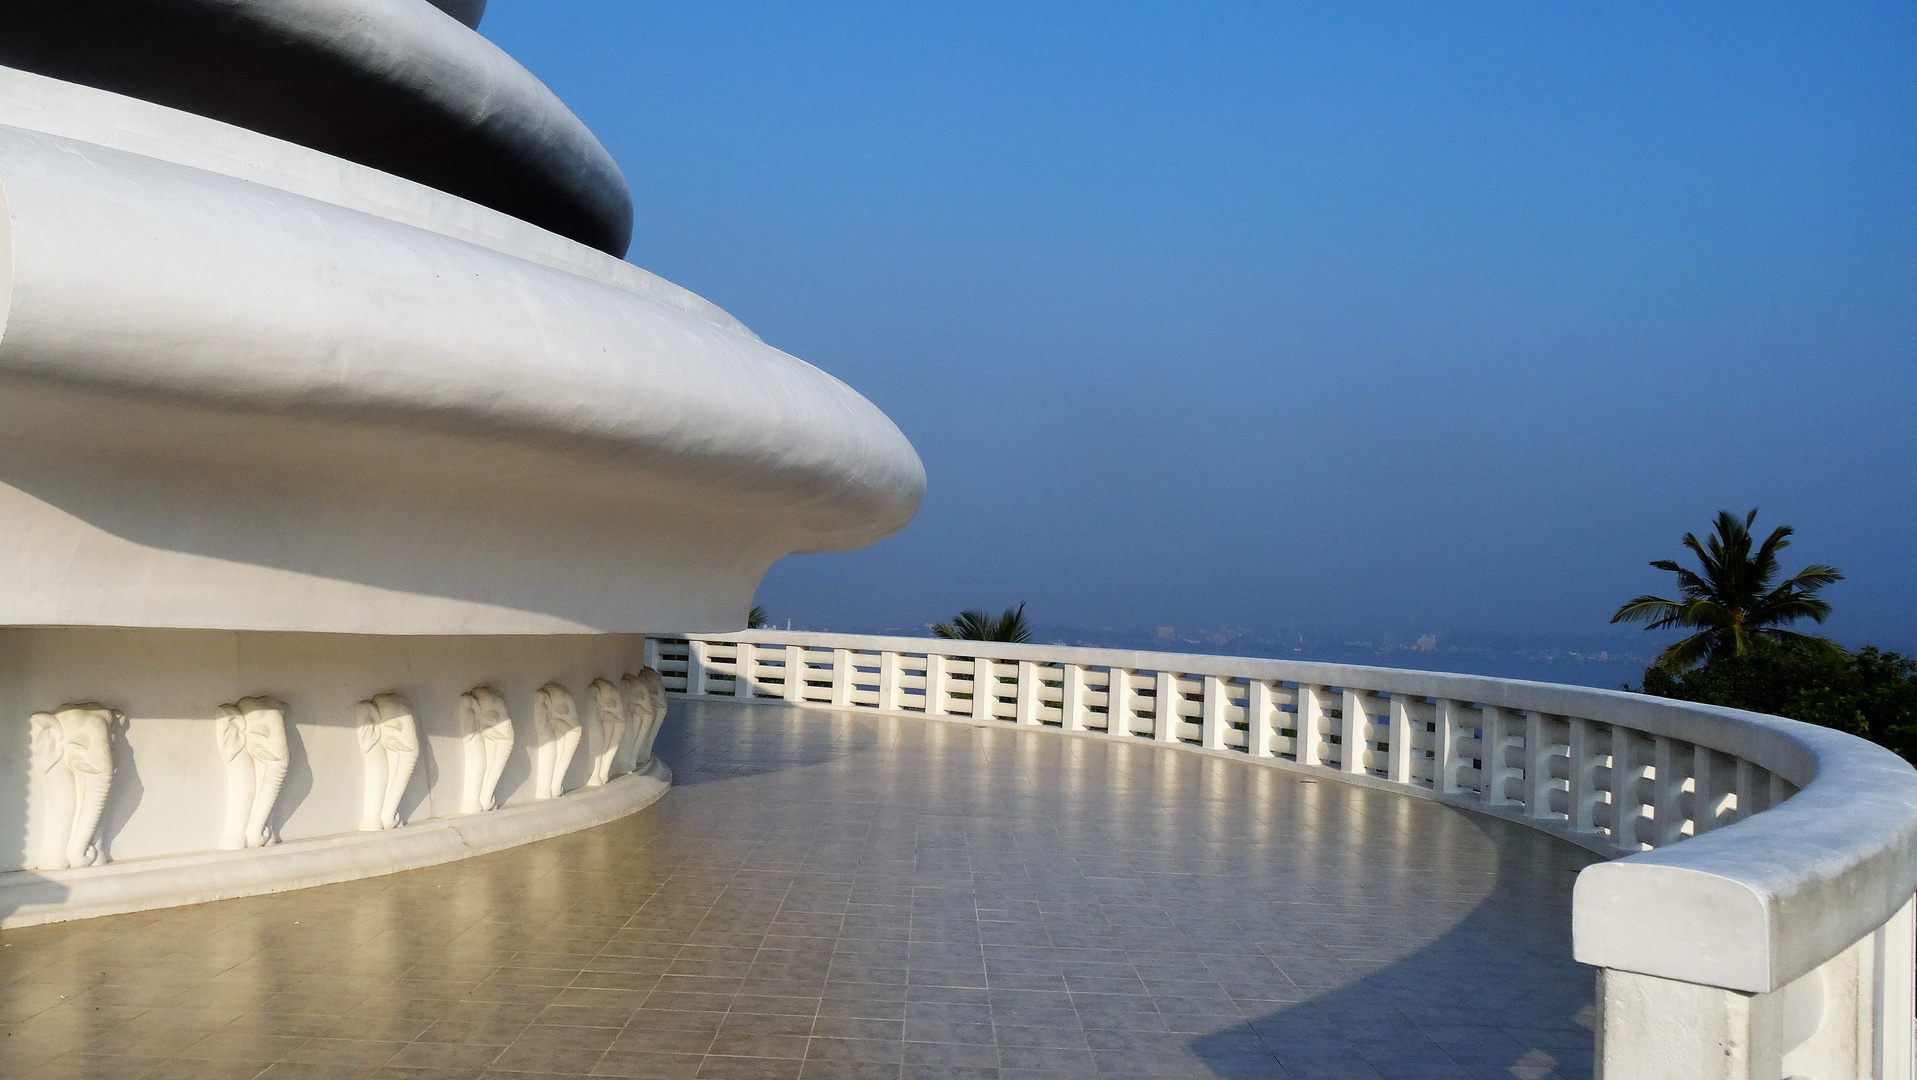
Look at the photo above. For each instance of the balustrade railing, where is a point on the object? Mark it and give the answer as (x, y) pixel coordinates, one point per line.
(1778, 945)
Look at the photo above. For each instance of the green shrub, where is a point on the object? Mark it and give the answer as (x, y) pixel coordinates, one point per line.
(1868, 693)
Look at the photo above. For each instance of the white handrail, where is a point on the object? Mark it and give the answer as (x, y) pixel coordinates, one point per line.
(1752, 856)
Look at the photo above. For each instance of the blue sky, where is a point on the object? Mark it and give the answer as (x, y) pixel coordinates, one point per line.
(1345, 319)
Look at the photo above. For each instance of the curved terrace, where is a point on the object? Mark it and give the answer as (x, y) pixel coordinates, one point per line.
(912, 858)
(834, 895)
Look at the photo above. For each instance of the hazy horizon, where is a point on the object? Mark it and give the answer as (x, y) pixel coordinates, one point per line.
(1343, 320)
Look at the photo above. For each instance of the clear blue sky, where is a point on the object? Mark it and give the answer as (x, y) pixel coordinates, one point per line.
(1358, 318)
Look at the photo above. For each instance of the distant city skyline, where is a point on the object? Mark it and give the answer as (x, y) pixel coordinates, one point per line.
(1341, 317)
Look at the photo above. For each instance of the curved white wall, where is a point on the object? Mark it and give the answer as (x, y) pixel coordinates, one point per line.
(226, 403)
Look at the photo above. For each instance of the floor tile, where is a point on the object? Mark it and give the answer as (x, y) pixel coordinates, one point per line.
(853, 897)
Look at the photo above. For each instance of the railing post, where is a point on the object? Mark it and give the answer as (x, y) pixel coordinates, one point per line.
(1495, 725)
(1707, 790)
(1847, 1019)
(1667, 793)
(1894, 1046)
(1398, 755)
(1310, 721)
(1026, 710)
(1445, 759)
(1165, 727)
(696, 685)
(1537, 764)
(889, 668)
(1355, 726)
(1777, 789)
(744, 687)
(649, 652)
(1071, 702)
(1746, 788)
(1260, 703)
(984, 689)
(842, 678)
(1118, 701)
(935, 676)
(794, 674)
(1652, 1027)
(1627, 799)
(1211, 714)
(1585, 761)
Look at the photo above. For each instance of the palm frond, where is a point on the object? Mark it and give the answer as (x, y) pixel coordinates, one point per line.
(1775, 609)
(1812, 578)
(1652, 609)
(1792, 637)
(1779, 539)
(1708, 613)
(1686, 652)
(1011, 626)
(978, 626)
(1688, 582)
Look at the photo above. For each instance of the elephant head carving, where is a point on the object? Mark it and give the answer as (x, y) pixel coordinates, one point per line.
(556, 728)
(605, 734)
(389, 744)
(73, 764)
(487, 731)
(646, 707)
(251, 735)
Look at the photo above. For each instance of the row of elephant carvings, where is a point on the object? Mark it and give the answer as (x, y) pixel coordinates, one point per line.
(73, 752)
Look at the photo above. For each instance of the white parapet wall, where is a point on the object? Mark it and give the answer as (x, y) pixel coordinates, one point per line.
(237, 762)
(1754, 921)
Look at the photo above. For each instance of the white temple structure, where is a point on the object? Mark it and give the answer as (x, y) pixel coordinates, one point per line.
(344, 464)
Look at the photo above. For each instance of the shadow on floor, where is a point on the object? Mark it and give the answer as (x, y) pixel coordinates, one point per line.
(1399, 999)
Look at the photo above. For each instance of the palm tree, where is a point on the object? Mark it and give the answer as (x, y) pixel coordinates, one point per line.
(978, 626)
(757, 619)
(1732, 602)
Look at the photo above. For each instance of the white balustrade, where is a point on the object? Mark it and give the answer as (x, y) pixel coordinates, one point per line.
(1780, 945)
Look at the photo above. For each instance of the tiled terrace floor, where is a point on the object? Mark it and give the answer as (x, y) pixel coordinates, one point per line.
(855, 896)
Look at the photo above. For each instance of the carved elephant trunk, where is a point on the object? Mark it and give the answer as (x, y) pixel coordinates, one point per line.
(73, 759)
(606, 733)
(556, 724)
(230, 731)
(89, 805)
(487, 731)
(252, 739)
(389, 743)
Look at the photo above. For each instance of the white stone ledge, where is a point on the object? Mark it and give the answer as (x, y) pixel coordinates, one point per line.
(82, 113)
(31, 897)
(1753, 906)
